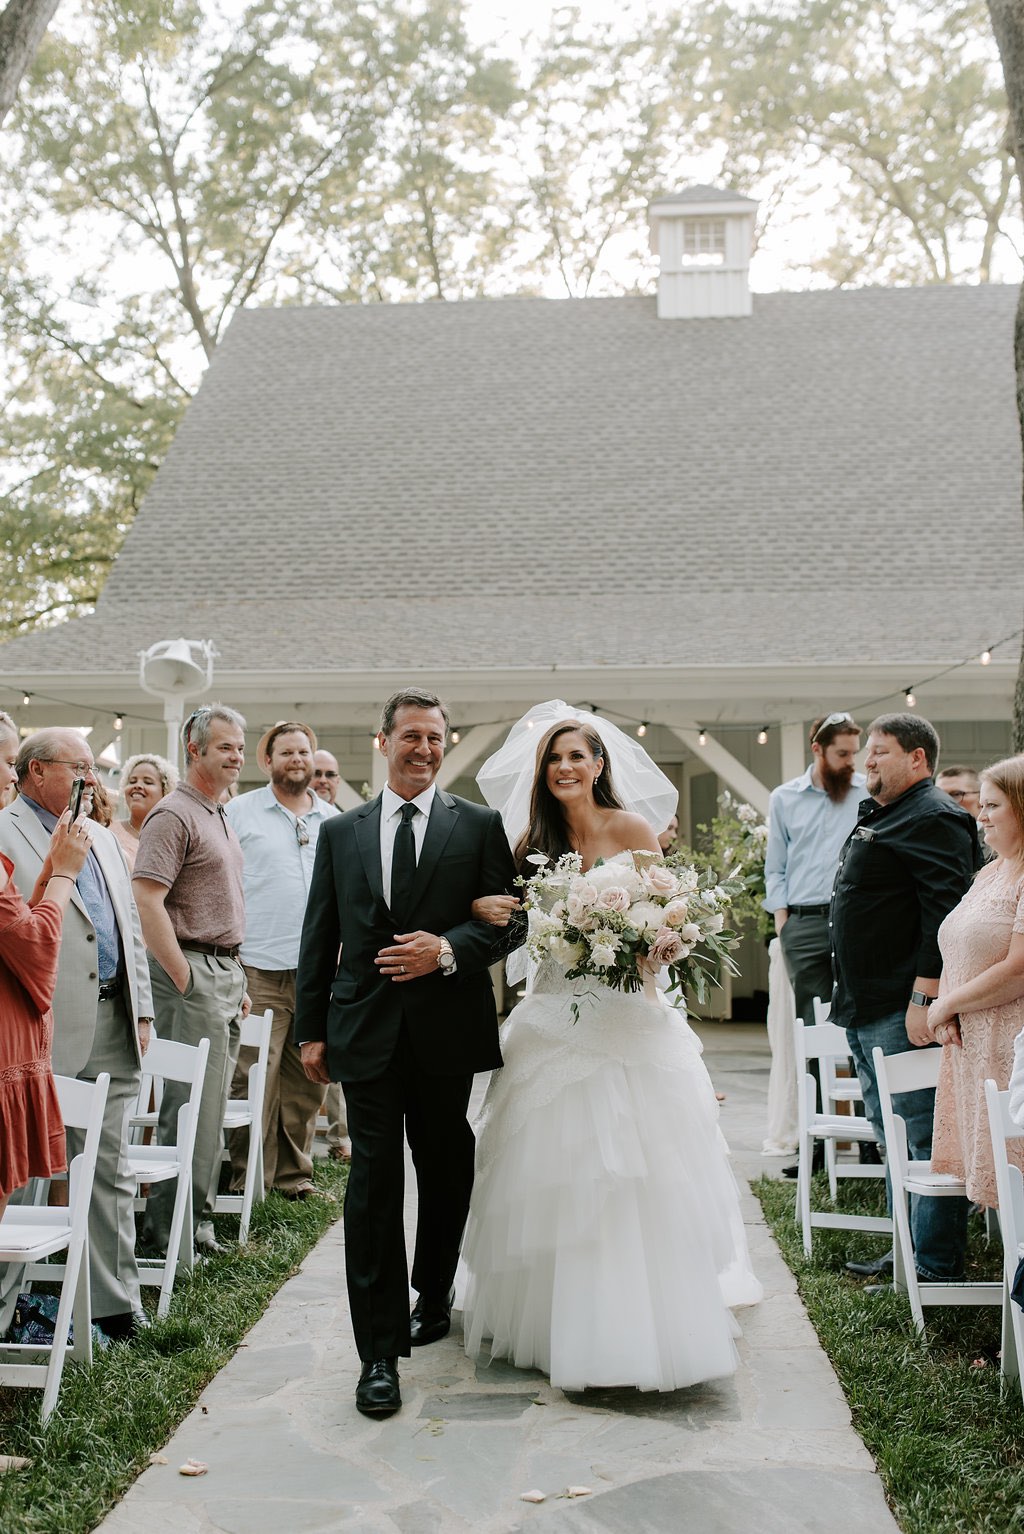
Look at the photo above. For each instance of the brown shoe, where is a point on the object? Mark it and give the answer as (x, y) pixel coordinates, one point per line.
(339, 1153)
(307, 1191)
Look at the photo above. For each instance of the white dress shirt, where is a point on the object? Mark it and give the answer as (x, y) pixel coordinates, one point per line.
(391, 819)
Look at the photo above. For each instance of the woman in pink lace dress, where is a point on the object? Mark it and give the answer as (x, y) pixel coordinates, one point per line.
(980, 1010)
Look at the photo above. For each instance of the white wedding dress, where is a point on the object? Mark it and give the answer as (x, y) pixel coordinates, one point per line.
(605, 1243)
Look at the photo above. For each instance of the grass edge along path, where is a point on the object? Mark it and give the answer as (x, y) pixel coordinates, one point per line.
(110, 1419)
(947, 1436)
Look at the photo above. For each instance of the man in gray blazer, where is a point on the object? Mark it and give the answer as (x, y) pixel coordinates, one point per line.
(102, 1007)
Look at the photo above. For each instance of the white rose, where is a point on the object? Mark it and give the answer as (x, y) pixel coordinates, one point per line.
(603, 956)
(580, 913)
(667, 948)
(613, 898)
(675, 913)
(690, 933)
(567, 954)
(645, 916)
(660, 880)
(583, 890)
(715, 923)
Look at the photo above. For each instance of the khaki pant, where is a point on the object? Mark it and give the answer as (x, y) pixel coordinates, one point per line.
(292, 1101)
(337, 1123)
(210, 1009)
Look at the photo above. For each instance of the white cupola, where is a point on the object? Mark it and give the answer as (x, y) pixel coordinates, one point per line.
(703, 238)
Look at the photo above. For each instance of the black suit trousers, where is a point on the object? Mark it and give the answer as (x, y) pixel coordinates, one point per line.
(431, 1111)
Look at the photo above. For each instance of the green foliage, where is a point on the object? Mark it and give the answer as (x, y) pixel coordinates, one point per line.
(948, 1439)
(735, 843)
(111, 1418)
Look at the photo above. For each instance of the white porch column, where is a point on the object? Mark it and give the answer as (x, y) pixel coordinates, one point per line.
(791, 740)
(714, 755)
(469, 750)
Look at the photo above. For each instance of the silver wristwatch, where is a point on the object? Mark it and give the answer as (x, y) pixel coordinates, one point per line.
(446, 957)
(919, 999)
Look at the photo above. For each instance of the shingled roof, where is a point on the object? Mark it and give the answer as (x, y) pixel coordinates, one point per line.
(834, 480)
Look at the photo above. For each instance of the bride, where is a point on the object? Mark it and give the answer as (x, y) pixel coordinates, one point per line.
(605, 1243)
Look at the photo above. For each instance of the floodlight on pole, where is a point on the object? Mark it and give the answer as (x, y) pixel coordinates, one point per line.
(173, 670)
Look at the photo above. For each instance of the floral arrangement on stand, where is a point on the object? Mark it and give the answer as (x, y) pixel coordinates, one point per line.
(620, 921)
(737, 840)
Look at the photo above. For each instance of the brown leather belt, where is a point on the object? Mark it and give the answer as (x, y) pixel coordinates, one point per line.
(213, 949)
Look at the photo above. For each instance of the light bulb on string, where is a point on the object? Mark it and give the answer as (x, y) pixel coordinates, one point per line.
(118, 722)
(702, 737)
(985, 657)
(456, 737)
(911, 700)
(762, 735)
(26, 700)
(641, 729)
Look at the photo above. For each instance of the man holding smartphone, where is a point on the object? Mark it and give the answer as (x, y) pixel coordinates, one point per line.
(102, 1005)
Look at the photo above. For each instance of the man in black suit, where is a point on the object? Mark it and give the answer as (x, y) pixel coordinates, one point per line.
(403, 1019)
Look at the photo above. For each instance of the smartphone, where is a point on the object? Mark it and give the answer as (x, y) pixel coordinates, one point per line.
(75, 801)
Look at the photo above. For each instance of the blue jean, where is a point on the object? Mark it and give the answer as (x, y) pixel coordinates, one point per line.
(938, 1226)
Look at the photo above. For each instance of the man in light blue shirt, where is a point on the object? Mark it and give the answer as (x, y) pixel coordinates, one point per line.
(278, 827)
(809, 819)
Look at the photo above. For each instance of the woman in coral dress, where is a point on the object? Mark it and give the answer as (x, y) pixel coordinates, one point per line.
(31, 1131)
(980, 1010)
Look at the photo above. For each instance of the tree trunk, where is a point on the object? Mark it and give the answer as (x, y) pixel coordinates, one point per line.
(1008, 25)
(22, 24)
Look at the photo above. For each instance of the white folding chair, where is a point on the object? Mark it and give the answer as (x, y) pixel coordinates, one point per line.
(247, 1113)
(1010, 1192)
(185, 1063)
(836, 1089)
(914, 1071)
(818, 1042)
(29, 1233)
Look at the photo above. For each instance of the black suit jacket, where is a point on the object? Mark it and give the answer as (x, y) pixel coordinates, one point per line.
(343, 999)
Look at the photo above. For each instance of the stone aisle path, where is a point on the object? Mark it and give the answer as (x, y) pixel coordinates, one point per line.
(770, 1451)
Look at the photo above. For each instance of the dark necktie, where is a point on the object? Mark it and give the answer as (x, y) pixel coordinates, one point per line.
(403, 864)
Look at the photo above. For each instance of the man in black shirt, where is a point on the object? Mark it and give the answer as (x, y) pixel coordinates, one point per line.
(906, 864)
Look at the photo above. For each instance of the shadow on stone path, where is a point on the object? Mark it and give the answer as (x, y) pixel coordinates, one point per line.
(770, 1451)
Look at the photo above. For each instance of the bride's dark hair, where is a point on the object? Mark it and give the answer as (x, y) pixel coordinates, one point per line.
(546, 829)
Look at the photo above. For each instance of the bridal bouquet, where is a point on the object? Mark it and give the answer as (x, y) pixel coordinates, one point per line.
(620, 920)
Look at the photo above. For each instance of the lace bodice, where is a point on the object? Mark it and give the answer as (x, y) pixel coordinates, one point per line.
(975, 935)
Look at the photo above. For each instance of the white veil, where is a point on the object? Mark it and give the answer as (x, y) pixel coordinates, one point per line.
(506, 779)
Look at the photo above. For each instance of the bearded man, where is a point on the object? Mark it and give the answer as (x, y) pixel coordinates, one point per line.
(809, 819)
(278, 827)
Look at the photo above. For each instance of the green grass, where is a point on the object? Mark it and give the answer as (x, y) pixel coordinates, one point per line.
(948, 1438)
(110, 1419)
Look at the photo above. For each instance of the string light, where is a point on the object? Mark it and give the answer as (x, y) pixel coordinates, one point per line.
(985, 657)
(641, 728)
(910, 698)
(702, 737)
(118, 722)
(762, 735)
(26, 700)
(456, 737)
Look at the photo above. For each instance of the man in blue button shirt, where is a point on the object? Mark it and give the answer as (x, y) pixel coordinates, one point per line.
(278, 827)
(809, 819)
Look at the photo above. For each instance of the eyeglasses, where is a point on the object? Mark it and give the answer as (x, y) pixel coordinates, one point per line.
(80, 769)
(301, 833)
(839, 718)
(324, 774)
(960, 794)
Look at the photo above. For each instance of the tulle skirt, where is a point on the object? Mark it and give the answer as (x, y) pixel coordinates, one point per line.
(605, 1244)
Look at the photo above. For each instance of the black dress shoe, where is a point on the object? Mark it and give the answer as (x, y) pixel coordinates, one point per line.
(878, 1267)
(377, 1394)
(817, 1163)
(431, 1319)
(870, 1154)
(126, 1326)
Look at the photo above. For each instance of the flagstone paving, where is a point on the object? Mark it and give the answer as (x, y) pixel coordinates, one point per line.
(771, 1449)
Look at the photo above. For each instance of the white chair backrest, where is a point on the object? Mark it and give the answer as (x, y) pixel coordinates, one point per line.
(820, 1039)
(171, 1061)
(822, 1010)
(913, 1071)
(253, 1029)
